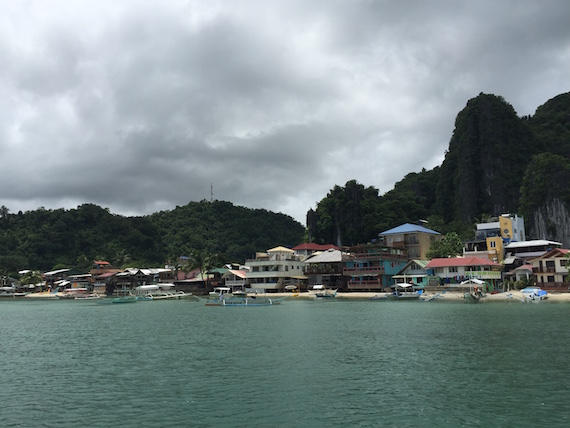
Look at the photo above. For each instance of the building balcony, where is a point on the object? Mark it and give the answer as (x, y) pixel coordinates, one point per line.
(548, 270)
(379, 255)
(554, 286)
(235, 283)
(363, 270)
(364, 285)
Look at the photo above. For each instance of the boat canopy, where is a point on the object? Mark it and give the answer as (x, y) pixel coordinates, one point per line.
(473, 281)
(403, 285)
(166, 285)
(147, 287)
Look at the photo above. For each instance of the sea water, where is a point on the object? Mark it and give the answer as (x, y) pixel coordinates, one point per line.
(301, 363)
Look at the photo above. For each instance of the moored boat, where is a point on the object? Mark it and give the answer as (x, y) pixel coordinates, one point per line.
(533, 294)
(321, 292)
(404, 291)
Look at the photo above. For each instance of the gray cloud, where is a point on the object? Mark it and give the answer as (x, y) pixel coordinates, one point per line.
(142, 106)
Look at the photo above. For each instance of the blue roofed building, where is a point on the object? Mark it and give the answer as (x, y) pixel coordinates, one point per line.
(414, 238)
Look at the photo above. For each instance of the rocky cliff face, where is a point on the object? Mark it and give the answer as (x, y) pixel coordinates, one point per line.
(488, 154)
(550, 221)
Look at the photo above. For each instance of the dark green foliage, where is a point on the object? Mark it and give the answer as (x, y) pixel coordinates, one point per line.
(355, 214)
(43, 239)
(551, 125)
(547, 177)
(450, 246)
(218, 227)
(347, 216)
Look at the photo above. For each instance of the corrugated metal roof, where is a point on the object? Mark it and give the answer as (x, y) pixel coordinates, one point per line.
(329, 256)
(409, 228)
(533, 243)
(280, 249)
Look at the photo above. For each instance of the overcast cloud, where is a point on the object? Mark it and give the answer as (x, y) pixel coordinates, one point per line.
(140, 106)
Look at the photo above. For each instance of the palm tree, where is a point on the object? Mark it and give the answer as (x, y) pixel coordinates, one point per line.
(31, 277)
(202, 260)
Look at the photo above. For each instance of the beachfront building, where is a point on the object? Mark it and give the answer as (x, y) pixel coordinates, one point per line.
(493, 236)
(235, 279)
(56, 279)
(371, 267)
(413, 238)
(551, 269)
(414, 272)
(454, 270)
(274, 269)
(324, 268)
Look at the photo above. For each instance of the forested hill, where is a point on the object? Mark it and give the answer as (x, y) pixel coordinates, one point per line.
(496, 163)
(219, 227)
(48, 239)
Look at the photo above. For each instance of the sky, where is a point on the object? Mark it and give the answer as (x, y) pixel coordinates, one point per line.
(142, 106)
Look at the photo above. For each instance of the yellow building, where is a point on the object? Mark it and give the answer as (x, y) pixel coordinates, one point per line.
(492, 237)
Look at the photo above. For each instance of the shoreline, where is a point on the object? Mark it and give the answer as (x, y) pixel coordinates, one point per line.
(507, 296)
(515, 296)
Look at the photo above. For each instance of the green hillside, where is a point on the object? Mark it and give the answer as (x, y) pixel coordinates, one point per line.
(47, 239)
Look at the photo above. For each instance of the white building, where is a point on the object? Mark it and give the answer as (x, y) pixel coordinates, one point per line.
(274, 269)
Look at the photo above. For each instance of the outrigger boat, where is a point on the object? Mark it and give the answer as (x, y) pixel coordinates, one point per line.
(221, 296)
(475, 292)
(160, 291)
(321, 292)
(404, 291)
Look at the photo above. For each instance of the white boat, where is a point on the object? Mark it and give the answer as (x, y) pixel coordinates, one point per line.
(160, 291)
(533, 294)
(405, 291)
(321, 292)
(221, 296)
(11, 292)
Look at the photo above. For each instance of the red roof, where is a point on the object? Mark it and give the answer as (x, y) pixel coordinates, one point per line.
(315, 247)
(100, 262)
(460, 261)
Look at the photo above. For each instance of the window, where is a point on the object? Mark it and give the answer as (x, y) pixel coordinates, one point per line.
(453, 269)
(493, 244)
(550, 278)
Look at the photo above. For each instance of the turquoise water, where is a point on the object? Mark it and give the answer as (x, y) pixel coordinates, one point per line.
(302, 363)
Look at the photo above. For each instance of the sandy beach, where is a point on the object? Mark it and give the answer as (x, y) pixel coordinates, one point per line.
(508, 296)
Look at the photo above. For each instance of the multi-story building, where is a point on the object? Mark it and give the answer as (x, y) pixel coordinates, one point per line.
(274, 269)
(415, 239)
(454, 270)
(492, 237)
(551, 269)
(325, 268)
(370, 267)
